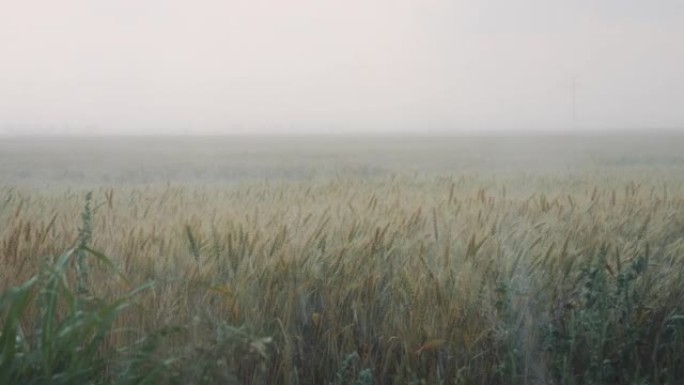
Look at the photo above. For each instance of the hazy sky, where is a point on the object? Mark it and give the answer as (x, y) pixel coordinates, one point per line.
(331, 66)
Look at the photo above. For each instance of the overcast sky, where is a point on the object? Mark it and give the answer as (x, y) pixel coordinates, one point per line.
(148, 66)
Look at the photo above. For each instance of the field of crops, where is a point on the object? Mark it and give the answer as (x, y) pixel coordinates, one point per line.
(471, 260)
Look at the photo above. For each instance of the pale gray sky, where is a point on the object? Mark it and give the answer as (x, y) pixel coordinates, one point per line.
(147, 66)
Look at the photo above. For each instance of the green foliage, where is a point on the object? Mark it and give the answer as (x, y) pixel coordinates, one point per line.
(193, 246)
(50, 333)
(85, 233)
(66, 344)
(349, 373)
(610, 334)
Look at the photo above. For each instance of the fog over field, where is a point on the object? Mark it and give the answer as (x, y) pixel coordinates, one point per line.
(126, 160)
(359, 192)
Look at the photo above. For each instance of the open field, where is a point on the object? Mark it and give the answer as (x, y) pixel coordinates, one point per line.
(343, 260)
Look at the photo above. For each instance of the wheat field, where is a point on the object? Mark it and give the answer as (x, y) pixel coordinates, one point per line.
(467, 260)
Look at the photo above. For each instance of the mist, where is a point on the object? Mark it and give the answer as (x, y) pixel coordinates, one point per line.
(304, 66)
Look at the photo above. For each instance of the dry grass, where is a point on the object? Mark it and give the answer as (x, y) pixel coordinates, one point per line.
(474, 278)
